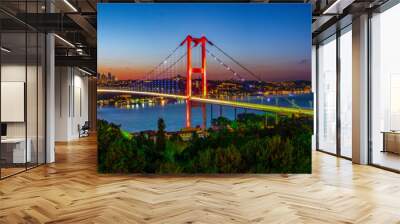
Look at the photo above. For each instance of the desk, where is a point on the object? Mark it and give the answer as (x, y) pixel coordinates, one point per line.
(16, 147)
(391, 141)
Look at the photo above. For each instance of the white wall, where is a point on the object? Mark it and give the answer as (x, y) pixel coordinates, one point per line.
(15, 72)
(12, 73)
(33, 126)
(62, 82)
(71, 102)
(80, 110)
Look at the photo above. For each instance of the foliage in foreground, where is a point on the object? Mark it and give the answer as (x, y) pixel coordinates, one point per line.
(242, 146)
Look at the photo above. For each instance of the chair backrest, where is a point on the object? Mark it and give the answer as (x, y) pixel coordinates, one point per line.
(86, 125)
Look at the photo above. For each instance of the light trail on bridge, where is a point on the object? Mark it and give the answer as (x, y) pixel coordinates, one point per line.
(238, 104)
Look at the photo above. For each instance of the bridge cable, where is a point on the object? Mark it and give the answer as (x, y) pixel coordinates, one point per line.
(163, 61)
(235, 61)
(173, 64)
(224, 65)
(254, 75)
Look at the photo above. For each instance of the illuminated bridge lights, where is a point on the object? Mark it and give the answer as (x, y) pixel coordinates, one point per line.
(252, 106)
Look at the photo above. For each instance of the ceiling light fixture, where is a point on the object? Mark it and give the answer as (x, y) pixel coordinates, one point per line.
(79, 51)
(64, 40)
(329, 9)
(84, 71)
(5, 50)
(70, 5)
(337, 7)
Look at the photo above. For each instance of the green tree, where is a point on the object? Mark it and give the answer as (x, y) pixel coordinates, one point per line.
(106, 135)
(119, 156)
(253, 152)
(206, 161)
(280, 155)
(228, 159)
(160, 141)
(248, 148)
(221, 122)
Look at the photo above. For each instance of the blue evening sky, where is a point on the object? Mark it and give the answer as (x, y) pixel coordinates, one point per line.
(272, 40)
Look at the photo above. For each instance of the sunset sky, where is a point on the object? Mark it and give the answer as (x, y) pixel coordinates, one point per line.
(272, 40)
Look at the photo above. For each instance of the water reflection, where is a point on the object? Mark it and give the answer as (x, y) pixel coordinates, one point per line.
(142, 114)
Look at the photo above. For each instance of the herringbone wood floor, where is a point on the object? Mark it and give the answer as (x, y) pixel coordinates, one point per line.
(71, 191)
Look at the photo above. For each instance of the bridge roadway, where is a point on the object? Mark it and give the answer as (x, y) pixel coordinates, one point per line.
(238, 104)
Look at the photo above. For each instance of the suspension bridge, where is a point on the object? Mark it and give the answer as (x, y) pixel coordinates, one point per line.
(164, 80)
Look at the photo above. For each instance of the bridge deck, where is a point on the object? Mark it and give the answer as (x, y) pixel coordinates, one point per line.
(253, 106)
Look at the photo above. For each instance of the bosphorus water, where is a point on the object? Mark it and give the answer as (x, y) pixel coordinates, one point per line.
(141, 117)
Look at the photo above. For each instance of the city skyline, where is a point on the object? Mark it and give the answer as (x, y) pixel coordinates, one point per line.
(273, 41)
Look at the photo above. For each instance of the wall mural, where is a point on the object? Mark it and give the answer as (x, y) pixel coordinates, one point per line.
(204, 88)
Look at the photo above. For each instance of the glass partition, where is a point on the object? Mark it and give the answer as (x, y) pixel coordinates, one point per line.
(314, 86)
(346, 92)
(22, 91)
(385, 89)
(13, 114)
(41, 97)
(327, 95)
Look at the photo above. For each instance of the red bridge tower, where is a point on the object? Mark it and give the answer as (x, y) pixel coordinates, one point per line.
(190, 70)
